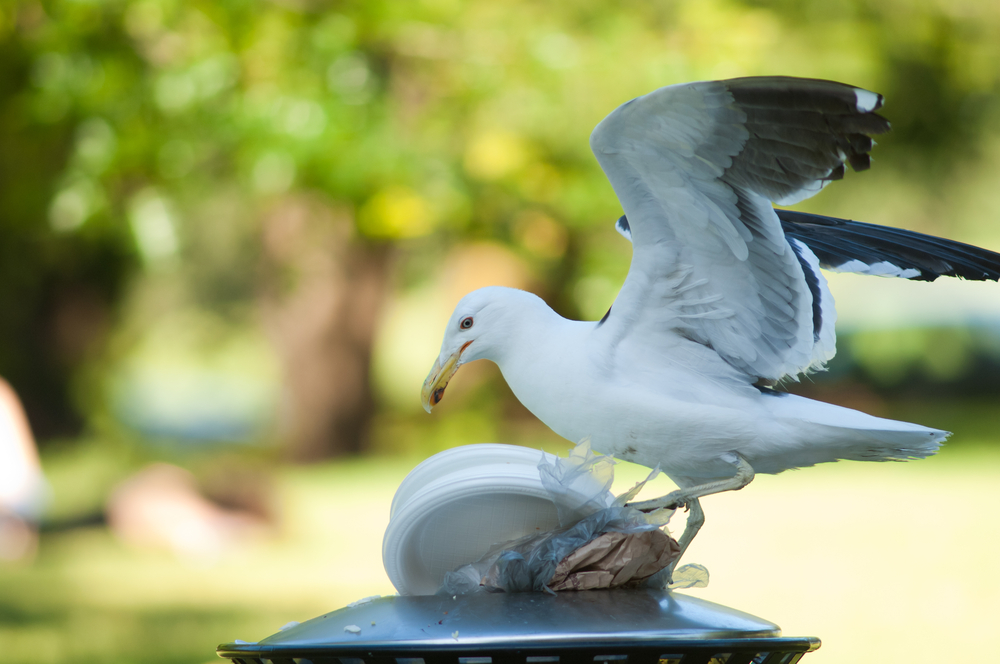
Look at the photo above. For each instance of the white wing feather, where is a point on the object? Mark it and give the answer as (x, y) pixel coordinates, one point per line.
(711, 262)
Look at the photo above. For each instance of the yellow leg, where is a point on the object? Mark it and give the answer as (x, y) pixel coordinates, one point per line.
(744, 475)
(696, 516)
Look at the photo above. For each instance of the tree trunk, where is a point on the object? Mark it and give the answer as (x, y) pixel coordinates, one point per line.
(322, 291)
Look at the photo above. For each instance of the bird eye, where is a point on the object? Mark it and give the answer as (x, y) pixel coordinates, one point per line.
(466, 323)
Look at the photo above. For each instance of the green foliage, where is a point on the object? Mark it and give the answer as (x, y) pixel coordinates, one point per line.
(145, 141)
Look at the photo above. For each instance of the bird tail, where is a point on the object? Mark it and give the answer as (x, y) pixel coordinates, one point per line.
(823, 432)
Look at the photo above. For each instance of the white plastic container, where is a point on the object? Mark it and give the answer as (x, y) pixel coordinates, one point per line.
(452, 508)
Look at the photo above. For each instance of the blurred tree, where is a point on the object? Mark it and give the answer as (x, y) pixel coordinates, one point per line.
(58, 290)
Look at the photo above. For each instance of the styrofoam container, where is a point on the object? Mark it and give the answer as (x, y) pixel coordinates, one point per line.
(452, 508)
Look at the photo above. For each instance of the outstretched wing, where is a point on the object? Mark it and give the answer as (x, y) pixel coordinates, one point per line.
(696, 168)
(842, 245)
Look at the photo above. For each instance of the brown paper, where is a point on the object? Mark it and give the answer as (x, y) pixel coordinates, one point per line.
(615, 559)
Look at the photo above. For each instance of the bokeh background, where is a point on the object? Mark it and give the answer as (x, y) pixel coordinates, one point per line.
(231, 233)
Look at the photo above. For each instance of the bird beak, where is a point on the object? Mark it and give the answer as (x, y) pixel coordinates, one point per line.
(438, 378)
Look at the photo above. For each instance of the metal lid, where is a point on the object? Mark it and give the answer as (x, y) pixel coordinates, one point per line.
(516, 620)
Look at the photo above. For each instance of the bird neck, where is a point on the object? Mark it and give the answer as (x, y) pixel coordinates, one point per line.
(522, 327)
(535, 336)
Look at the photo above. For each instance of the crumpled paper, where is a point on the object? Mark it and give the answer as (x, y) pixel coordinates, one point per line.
(614, 559)
(612, 545)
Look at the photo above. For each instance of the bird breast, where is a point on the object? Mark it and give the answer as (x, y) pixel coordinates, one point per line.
(655, 415)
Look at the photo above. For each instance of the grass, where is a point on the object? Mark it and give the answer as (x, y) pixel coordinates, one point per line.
(884, 562)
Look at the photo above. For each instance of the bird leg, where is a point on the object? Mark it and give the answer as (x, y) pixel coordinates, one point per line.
(695, 520)
(689, 497)
(744, 475)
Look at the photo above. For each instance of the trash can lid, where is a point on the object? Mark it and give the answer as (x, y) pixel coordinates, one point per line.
(478, 624)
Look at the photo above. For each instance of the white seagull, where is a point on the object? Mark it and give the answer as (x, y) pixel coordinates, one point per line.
(724, 296)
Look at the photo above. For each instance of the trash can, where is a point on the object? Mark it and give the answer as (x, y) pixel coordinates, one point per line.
(622, 626)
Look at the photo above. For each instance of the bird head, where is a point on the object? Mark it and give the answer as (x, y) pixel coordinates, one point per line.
(474, 332)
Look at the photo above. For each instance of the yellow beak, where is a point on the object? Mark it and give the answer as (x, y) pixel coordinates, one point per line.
(437, 379)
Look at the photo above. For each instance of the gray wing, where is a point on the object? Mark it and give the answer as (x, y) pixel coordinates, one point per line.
(696, 168)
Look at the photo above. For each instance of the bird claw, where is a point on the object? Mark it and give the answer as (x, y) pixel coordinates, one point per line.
(670, 506)
(671, 501)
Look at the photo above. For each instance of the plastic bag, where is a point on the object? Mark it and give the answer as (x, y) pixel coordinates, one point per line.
(612, 546)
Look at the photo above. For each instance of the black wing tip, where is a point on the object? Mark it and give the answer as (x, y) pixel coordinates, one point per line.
(812, 281)
(623, 228)
(859, 161)
(837, 242)
(805, 93)
(803, 132)
(769, 391)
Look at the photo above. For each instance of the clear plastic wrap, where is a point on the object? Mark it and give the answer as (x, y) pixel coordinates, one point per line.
(614, 545)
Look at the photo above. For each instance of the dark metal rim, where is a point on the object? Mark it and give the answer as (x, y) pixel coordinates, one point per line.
(578, 651)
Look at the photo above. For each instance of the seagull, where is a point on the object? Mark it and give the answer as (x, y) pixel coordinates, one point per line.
(724, 297)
